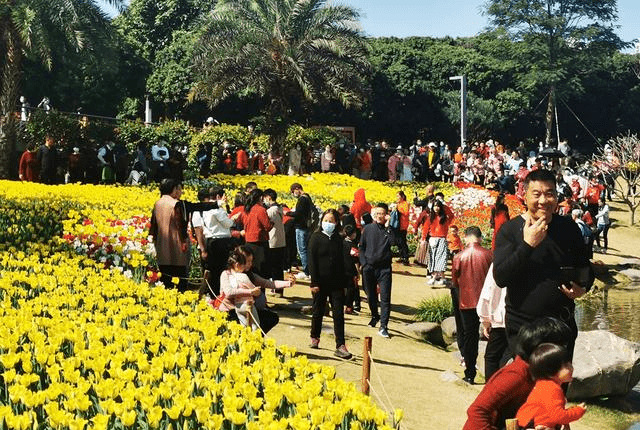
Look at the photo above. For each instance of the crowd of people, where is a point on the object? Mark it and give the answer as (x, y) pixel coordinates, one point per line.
(521, 291)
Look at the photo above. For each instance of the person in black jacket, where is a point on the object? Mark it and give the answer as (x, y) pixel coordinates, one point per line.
(541, 259)
(301, 220)
(351, 260)
(48, 159)
(375, 260)
(328, 279)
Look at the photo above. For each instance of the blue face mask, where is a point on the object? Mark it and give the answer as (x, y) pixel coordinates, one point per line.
(328, 227)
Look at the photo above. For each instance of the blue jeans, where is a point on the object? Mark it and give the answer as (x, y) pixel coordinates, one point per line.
(302, 239)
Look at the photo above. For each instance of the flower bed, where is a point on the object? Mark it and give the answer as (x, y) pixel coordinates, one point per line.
(85, 346)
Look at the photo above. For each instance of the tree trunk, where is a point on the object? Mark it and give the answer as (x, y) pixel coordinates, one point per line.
(8, 102)
(549, 117)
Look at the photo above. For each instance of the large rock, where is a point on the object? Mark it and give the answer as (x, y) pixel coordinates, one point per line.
(431, 332)
(604, 365)
(449, 330)
(632, 274)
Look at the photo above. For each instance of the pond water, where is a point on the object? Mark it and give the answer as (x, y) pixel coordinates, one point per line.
(616, 310)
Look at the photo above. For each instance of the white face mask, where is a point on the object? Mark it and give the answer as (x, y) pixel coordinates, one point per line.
(328, 227)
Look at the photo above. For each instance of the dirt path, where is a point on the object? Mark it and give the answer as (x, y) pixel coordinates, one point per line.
(408, 373)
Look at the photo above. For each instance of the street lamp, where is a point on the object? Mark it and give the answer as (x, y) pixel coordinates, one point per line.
(463, 107)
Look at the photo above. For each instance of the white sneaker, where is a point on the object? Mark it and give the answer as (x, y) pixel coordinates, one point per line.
(302, 276)
(431, 281)
(439, 282)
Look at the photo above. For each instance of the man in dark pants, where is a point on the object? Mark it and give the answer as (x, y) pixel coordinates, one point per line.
(541, 259)
(375, 259)
(468, 270)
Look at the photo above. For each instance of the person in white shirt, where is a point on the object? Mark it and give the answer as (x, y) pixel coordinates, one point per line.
(159, 157)
(603, 223)
(213, 232)
(491, 311)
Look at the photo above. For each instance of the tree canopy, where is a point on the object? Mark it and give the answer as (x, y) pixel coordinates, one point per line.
(288, 52)
(564, 38)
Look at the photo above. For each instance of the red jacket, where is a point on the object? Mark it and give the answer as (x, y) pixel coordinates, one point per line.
(435, 228)
(403, 211)
(256, 224)
(468, 270)
(545, 406)
(242, 160)
(360, 206)
(593, 193)
(501, 397)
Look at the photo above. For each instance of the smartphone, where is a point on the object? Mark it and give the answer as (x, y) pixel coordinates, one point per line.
(568, 274)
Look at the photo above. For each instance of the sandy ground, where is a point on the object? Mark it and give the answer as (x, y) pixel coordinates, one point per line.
(408, 373)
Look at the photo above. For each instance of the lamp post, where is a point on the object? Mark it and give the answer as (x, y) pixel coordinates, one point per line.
(147, 111)
(463, 107)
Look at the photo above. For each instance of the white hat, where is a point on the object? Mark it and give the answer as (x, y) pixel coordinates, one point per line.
(432, 144)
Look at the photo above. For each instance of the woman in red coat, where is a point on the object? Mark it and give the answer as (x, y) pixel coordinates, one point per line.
(499, 215)
(256, 224)
(28, 167)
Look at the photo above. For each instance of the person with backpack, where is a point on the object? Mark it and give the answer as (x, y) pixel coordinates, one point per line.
(302, 218)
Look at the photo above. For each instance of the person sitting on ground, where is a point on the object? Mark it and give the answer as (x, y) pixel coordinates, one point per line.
(226, 302)
(550, 367)
(238, 280)
(509, 387)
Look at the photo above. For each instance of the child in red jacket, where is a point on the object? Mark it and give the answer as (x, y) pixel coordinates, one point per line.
(550, 366)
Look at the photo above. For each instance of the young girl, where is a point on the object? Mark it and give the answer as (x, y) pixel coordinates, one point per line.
(550, 366)
(240, 287)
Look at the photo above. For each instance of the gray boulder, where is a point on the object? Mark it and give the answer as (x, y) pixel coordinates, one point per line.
(449, 330)
(632, 274)
(431, 332)
(604, 365)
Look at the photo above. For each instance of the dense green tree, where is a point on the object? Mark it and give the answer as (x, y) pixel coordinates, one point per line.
(290, 52)
(28, 28)
(564, 39)
(163, 34)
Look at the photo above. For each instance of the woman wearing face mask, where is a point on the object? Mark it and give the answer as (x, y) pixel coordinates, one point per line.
(328, 279)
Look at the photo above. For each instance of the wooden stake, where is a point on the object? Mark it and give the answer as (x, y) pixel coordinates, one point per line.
(512, 424)
(366, 365)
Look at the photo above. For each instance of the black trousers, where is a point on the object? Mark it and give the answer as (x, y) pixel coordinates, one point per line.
(456, 314)
(337, 308)
(275, 262)
(371, 277)
(217, 255)
(169, 272)
(471, 337)
(401, 242)
(496, 355)
(260, 250)
(352, 295)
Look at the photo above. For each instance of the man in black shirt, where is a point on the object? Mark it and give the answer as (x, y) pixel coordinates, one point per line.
(375, 259)
(540, 258)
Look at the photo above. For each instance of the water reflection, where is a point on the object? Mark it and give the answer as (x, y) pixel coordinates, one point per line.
(615, 310)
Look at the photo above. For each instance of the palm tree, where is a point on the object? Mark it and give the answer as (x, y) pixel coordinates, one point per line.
(33, 27)
(289, 52)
